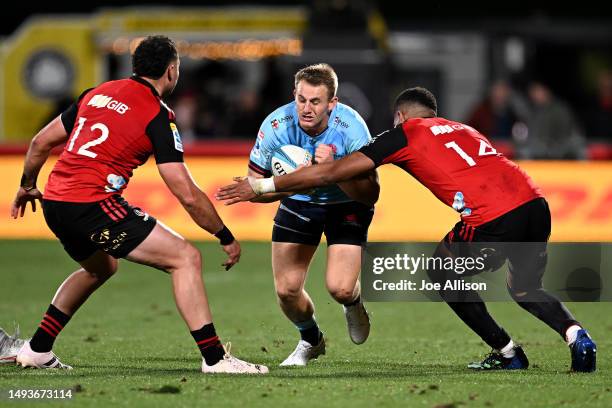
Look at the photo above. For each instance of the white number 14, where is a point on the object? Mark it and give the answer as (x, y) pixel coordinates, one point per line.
(484, 150)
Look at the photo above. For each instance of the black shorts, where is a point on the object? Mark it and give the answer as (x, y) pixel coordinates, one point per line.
(110, 225)
(302, 222)
(521, 236)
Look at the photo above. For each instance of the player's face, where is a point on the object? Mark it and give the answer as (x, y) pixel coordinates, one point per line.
(313, 106)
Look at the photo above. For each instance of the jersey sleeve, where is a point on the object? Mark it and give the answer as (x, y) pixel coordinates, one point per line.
(261, 153)
(359, 135)
(385, 145)
(69, 116)
(165, 138)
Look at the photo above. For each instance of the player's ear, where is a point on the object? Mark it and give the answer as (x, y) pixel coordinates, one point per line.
(169, 72)
(332, 104)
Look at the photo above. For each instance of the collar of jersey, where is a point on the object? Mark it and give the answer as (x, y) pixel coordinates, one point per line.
(145, 83)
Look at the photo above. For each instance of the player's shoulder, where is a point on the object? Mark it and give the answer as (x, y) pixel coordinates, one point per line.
(127, 95)
(415, 127)
(344, 113)
(281, 119)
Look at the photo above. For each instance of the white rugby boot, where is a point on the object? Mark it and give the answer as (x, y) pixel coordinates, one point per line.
(304, 352)
(9, 346)
(232, 365)
(26, 357)
(358, 322)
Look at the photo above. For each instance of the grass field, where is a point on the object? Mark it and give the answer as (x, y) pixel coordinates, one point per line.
(129, 346)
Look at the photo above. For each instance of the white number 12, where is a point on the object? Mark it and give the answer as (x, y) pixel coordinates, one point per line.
(83, 149)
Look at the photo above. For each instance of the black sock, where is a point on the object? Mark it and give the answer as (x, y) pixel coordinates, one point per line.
(309, 331)
(476, 316)
(548, 309)
(207, 340)
(354, 302)
(50, 326)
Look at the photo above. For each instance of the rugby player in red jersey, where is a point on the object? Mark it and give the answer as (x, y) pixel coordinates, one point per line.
(497, 201)
(109, 131)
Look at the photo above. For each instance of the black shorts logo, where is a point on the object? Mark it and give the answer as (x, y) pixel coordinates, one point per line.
(100, 237)
(141, 213)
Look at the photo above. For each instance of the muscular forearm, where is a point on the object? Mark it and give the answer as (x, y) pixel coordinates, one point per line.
(307, 178)
(203, 212)
(37, 155)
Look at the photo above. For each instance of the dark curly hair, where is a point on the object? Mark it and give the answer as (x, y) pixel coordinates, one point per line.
(153, 55)
(418, 96)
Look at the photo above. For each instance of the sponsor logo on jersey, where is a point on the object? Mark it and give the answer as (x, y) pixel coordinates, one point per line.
(178, 143)
(442, 129)
(103, 101)
(276, 122)
(115, 183)
(261, 134)
(340, 122)
(256, 153)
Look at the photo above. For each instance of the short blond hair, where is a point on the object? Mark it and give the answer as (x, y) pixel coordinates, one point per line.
(319, 74)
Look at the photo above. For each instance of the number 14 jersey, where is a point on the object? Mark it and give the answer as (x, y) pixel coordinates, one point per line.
(457, 164)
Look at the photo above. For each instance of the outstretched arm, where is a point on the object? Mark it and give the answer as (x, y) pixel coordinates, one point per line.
(50, 136)
(307, 178)
(266, 198)
(196, 203)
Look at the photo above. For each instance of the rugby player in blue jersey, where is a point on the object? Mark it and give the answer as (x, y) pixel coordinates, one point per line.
(317, 122)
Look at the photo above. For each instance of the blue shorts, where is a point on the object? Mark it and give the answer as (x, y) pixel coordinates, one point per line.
(302, 222)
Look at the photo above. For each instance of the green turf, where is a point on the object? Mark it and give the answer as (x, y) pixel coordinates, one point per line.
(128, 342)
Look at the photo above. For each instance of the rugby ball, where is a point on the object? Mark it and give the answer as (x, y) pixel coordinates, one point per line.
(287, 158)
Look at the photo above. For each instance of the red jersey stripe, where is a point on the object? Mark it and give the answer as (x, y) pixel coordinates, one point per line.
(103, 206)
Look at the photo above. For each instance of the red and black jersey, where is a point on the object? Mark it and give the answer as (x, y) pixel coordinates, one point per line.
(113, 129)
(457, 164)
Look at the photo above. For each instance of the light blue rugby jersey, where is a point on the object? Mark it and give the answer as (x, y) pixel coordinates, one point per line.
(346, 131)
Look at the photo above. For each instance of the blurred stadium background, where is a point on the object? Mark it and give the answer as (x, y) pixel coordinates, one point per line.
(538, 81)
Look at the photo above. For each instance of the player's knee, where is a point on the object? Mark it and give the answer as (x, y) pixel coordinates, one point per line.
(189, 259)
(104, 270)
(288, 293)
(517, 294)
(341, 294)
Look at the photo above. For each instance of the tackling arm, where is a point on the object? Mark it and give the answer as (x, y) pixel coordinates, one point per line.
(324, 174)
(266, 198)
(305, 179)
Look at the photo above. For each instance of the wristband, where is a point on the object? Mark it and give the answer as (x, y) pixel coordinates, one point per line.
(262, 185)
(23, 182)
(225, 236)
